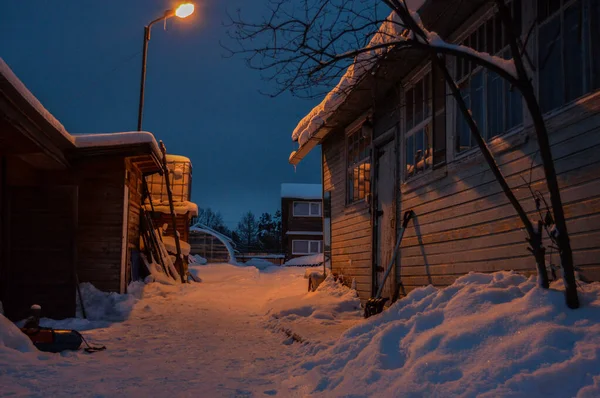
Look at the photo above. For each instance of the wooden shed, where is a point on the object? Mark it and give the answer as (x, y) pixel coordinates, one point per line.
(69, 205)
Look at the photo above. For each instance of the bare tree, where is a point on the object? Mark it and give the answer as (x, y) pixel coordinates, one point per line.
(247, 231)
(307, 46)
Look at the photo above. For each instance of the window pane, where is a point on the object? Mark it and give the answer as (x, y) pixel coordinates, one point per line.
(300, 246)
(495, 98)
(419, 102)
(573, 52)
(409, 108)
(517, 17)
(419, 151)
(459, 71)
(350, 185)
(481, 39)
(489, 36)
(427, 93)
(356, 183)
(314, 247)
(595, 42)
(300, 209)
(478, 101)
(410, 156)
(498, 28)
(462, 128)
(367, 168)
(549, 63)
(428, 146)
(315, 209)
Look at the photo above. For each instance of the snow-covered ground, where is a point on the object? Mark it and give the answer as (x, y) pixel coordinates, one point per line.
(493, 335)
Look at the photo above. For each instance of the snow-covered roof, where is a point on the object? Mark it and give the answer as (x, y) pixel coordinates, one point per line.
(9, 75)
(115, 139)
(79, 140)
(302, 191)
(390, 31)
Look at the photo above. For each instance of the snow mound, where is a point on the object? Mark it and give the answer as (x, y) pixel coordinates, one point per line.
(109, 306)
(487, 335)
(312, 260)
(319, 316)
(259, 263)
(11, 338)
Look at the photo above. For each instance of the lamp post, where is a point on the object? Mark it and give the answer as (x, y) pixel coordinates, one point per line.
(182, 11)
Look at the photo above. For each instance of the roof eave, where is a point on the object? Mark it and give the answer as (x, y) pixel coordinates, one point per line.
(308, 146)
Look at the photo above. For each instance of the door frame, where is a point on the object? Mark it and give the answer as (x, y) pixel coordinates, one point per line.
(379, 143)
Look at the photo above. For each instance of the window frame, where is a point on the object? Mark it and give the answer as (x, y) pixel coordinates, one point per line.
(309, 209)
(423, 124)
(484, 33)
(309, 242)
(357, 129)
(587, 60)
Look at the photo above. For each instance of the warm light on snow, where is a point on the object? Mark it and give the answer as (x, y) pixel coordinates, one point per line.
(184, 10)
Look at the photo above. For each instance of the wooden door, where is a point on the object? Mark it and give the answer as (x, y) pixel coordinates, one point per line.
(41, 251)
(385, 216)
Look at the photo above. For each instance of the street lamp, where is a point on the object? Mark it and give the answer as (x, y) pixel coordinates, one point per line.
(182, 11)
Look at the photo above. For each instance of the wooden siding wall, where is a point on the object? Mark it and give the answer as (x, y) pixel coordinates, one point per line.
(209, 247)
(101, 189)
(465, 223)
(351, 243)
(134, 182)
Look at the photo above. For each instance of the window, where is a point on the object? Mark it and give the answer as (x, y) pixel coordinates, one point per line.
(307, 246)
(358, 153)
(568, 33)
(495, 106)
(418, 144)
(425, 123)
(307, 209)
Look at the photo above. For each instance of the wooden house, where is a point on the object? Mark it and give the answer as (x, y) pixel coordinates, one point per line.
(397, 142)
(301, 219)
(69, 205)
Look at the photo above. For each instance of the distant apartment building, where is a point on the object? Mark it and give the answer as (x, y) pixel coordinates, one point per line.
(302, 219)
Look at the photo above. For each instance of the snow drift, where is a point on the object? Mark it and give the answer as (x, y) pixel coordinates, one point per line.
(259, 263)
(319, 316)
(11, 338)
(487, 335)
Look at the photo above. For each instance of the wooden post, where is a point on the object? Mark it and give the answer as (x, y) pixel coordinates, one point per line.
(179, 259)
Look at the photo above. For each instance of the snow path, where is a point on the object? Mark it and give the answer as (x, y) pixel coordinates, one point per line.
(209, 339)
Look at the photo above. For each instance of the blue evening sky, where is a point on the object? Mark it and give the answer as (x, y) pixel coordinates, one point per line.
(82, 60)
